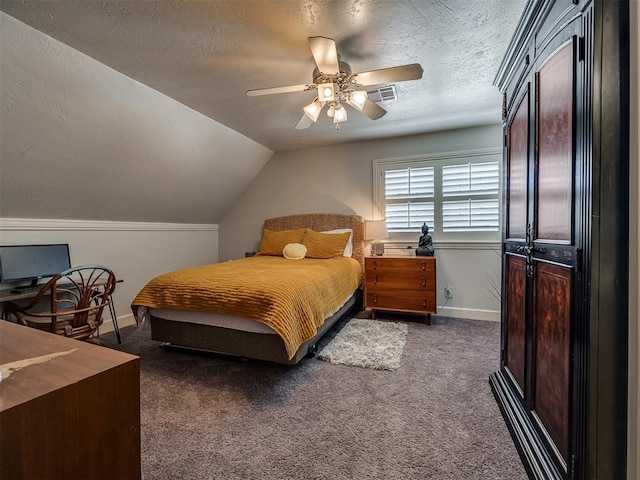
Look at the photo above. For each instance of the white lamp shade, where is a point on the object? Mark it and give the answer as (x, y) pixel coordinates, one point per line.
(313, 110)
(340, 114)
(357, 99)
(375, 230)
(326, 92)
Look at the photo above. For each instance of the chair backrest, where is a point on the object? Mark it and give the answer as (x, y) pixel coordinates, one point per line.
(77, 298)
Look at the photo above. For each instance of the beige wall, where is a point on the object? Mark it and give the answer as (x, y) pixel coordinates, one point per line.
(330, 179)
(136, 252)
(339, 179)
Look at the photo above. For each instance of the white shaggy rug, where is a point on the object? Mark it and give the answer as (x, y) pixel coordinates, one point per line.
(367, 343)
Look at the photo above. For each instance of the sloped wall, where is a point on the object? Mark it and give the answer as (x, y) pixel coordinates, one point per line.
(82, 141)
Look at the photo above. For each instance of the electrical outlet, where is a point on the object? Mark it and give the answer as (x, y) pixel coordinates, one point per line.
(448, 292)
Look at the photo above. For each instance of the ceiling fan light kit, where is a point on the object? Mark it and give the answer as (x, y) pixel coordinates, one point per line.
(339, 114)
(327, 92)
(357, 99)
(335, 83)
(313, 110)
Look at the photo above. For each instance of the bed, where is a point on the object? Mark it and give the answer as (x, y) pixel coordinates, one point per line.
(272, 316)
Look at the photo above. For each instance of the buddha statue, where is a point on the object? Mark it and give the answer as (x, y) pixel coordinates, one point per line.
(425, 244)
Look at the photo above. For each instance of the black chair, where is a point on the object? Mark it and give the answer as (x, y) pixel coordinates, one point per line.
(76, 299)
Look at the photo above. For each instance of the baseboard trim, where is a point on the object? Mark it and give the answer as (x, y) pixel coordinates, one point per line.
(49, 224)
(472, 313)
(123, 321)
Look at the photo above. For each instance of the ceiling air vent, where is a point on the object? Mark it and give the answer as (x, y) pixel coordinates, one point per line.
(382, 94)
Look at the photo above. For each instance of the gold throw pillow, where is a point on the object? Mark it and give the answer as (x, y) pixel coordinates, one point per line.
(273, 242)
(325, 245)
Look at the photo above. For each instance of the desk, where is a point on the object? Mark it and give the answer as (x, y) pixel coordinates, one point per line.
(9, 296)
(74, 415)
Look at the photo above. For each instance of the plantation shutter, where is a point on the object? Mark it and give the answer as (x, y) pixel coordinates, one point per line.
(479, 209)
(409, 196)
(456, 195)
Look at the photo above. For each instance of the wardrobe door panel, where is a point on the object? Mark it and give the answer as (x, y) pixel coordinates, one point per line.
(554, 183)
(515, 299)
(551, 350)
(517, 165)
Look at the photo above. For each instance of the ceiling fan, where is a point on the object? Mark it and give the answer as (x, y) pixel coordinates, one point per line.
(335, 83)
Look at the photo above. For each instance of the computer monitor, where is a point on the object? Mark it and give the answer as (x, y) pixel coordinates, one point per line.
(32, 262)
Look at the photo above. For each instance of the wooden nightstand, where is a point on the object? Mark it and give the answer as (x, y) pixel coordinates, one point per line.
(402, 284)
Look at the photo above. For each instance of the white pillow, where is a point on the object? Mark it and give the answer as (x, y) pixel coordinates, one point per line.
(348, 249)
(294, 251)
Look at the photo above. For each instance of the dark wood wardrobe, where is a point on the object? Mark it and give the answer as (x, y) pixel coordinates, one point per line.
(562, 382)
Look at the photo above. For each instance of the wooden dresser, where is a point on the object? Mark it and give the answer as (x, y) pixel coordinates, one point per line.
(68, 409)
(400, 283)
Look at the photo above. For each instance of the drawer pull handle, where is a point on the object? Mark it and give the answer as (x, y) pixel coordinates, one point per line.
(424, 281)
(375, 298)
(424, 302)
(424, 265)
(375, 279)
(375, 265)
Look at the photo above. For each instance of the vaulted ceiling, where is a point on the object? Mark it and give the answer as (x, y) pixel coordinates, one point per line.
(206, 53)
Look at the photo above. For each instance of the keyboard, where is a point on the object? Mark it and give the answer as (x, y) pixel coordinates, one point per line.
(26, 289)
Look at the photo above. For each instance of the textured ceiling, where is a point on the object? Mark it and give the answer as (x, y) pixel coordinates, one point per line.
(207, 53)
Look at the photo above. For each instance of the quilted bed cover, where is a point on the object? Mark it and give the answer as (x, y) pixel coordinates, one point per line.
(293, 297)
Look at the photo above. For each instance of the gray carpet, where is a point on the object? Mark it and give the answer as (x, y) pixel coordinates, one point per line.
(207, 417)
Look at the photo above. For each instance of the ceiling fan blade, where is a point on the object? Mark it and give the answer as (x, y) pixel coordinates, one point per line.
(373, 110)
(305, 122)
(270, 91)
(412, 71)
(325, 54)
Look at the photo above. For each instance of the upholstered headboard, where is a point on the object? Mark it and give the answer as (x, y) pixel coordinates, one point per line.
(322, 222)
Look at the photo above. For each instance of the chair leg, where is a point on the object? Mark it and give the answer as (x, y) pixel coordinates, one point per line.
(112, 312)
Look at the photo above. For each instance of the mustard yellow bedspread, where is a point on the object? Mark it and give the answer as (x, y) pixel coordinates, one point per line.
(293, 297)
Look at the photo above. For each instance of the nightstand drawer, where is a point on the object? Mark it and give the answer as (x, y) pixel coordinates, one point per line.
(424, 264)
(409, 301)
(401, 279)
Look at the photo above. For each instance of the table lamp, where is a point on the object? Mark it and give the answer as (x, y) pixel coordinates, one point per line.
(376, 230)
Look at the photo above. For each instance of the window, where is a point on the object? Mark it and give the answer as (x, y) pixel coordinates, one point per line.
(457, 195)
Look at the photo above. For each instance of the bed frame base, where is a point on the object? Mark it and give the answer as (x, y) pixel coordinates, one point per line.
(197, 338)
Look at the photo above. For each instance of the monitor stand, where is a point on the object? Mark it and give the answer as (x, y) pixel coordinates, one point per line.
(23, 288)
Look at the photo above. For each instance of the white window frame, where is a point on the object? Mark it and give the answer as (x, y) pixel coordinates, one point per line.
(438, 161)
